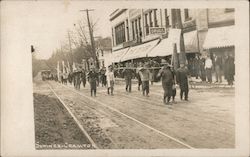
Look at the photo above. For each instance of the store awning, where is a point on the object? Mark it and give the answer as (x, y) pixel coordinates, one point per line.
(191, 42)
(164, 48)
(219, 37)
(139, 51)
(117, 55)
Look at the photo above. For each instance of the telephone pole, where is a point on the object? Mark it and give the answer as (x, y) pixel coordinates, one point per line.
(177, 23)
(92, 38)
(70, 48)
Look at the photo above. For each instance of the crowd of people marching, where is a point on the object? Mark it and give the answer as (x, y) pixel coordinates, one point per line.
(152, 71)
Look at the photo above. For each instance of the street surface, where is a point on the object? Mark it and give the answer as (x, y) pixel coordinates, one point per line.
(132, 121)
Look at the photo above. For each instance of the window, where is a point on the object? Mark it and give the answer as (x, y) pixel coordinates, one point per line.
(127, 30)
(133, 31)
(139, 23)
(150, 19)
(155, 18)
(146, 24)
(120, 33)
(136, 28)
(166, 18)
(186, 15)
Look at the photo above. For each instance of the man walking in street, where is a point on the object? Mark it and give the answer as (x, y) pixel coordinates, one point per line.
(208, 67)
(128, 74)
(83, 77)
(182, 81)
(145, 75)
(138, 75)
(110, 80)
(92, 78)
(167, 81)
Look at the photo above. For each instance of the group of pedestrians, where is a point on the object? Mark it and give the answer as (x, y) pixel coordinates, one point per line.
(144, 72)
(167, 74)
(220, 65)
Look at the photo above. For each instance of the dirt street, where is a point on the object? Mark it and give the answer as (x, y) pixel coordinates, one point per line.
(132, 121)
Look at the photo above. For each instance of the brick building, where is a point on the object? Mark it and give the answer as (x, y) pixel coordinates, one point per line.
(138, 33)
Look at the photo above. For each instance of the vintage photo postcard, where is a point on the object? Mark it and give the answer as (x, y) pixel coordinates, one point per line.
(124, 78)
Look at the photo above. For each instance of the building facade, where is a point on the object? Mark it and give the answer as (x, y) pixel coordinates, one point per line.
(133, 28)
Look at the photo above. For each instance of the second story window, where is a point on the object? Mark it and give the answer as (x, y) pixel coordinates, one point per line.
(155, 18)
(150, 19)
(186, 15)
(146, 24)
(120, 33)
(166, 19)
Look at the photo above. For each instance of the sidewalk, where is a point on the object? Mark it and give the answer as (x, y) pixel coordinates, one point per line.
(193, 83)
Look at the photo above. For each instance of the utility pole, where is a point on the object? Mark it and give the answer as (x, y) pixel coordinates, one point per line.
(92, 38)
(70, 48)
(177, 23)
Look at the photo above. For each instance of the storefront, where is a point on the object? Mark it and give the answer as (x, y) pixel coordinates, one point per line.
(220, 41)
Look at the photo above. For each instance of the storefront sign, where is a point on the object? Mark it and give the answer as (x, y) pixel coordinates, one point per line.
(157, 30)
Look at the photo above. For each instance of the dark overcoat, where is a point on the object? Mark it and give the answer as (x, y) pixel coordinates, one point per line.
(167, 80)
(182, 78)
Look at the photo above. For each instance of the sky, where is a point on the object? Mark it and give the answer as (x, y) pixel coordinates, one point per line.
(45, 23)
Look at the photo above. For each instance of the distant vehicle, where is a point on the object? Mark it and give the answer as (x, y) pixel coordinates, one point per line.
(46, 75)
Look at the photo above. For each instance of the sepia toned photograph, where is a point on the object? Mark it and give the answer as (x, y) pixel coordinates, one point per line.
(124, 78)
(149, 78)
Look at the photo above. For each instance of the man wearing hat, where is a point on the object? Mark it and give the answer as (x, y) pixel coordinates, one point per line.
(128, 74)
(92, 78)
(167, 81)
(182, 80)
(145, 75)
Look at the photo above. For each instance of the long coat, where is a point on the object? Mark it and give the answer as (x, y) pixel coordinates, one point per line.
(182, 78)
(167, 80)
(229, 67)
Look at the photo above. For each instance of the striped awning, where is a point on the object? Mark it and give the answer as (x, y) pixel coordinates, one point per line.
(117, 55)
(139, 51)
(219, 37)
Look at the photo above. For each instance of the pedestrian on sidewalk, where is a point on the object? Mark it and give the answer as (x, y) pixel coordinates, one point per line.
(167, 81)
(229, 69)
(208, 67)
(110, 79)
(202, 69)
(92, 78)
(138, 75)
(218, 68)
(128, 74)
(182, 81)
(145, 76)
